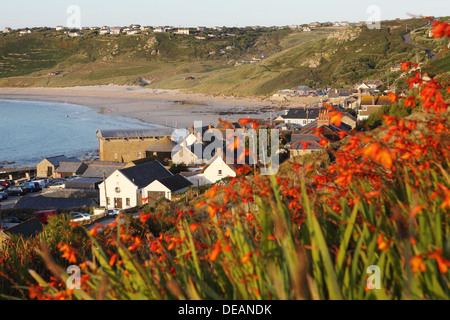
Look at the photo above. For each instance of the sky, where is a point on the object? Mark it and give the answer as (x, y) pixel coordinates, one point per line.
(209, 13)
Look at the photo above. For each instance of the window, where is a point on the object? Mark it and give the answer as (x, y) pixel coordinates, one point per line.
(115, 156)
(220, 172)
(108, 202)
(139, 155)
(304, 121)
(127, 201)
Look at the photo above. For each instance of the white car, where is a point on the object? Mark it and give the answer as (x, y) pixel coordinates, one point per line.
(78, 216)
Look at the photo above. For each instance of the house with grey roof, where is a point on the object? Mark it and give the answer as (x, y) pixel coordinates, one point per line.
(47, 167)
(165, 187)
(123, 188)
(70, 168)
(302, 116)
(100, 169)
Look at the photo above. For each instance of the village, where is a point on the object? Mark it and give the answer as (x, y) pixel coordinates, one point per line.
(142, 166)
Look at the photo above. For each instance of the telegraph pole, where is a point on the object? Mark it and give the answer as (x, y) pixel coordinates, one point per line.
(106, 196)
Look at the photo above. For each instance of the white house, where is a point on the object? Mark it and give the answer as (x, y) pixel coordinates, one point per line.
(124, 186)
(25, 31)
(105, 30)
(183, 31)
(59, 28)
(159, 29)
(216, 170)
(116, 30)
(7, 30)
(165, 187)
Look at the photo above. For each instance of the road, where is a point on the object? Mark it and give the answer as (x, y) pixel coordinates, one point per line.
(407, 39)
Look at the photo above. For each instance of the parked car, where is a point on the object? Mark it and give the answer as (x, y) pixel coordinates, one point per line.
(113, 213)
(32, 186)
(79, 217)
(3, 195)
(26, 187)
(10, 222)
(43, 182)
(56, 181)
(44, 214)
(73, 177)
(15, 191)
(57, 185)
(6, 183)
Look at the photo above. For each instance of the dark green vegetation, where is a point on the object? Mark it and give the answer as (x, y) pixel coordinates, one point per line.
(326, 57)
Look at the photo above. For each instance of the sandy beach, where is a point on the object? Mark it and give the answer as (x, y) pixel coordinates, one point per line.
(164, 107)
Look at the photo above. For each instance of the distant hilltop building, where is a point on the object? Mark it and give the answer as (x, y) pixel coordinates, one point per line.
(7, 30)
(116, 30)
(159, 29)
(59, 28)
(25, 31)
(185, 31)
(105, 30)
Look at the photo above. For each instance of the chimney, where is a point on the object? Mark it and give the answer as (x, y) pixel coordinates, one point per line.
(210, 126)
(219, 152)
(323, 119)
(192, 129)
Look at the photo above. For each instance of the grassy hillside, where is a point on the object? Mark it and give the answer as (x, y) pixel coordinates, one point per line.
(325, 57)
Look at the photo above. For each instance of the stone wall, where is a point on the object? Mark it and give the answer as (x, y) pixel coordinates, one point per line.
(121, 150)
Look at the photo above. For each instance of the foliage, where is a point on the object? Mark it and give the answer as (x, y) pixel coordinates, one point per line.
(383, 201)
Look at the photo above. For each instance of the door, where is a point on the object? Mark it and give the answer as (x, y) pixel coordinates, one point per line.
(118, 203)
(49, 172)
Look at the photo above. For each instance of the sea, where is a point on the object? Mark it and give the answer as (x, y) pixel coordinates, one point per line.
(33, 130)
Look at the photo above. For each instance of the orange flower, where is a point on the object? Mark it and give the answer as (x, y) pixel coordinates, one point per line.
(113, 259)
(137, 243)
(144, 217)
(68, 252)
(392, 97)
(410, 102)
(406, 66)
(382, 245)
(336, 118)
(194, 226)
(417, 263)
(216, 251)
(245, 258)
(416, 210)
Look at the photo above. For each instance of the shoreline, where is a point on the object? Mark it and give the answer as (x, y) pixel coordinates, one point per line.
(171, 108)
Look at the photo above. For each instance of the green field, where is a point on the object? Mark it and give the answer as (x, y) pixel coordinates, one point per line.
(325, 57)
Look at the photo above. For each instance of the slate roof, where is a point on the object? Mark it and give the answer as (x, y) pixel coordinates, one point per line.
(296, 137)
(27, 228)
(66, 166)
(135, 133)
(57, 159)
(175, 182)
(83, 183)
(162, 145)
(97, 168)
(49, 203)
(144, 174)
(300, 146)
(303, 113)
